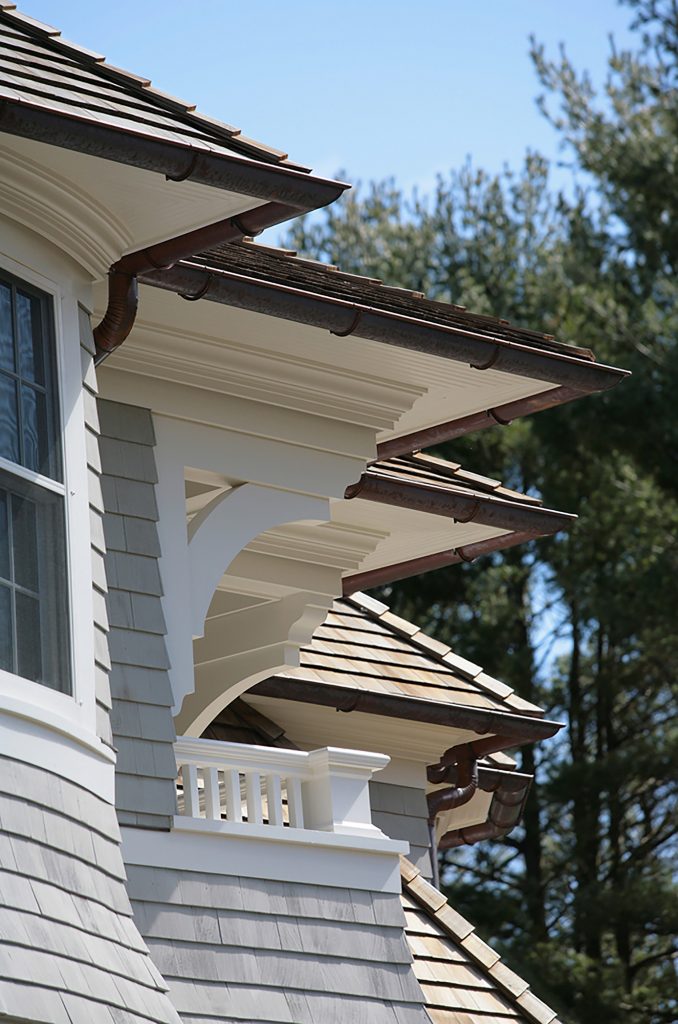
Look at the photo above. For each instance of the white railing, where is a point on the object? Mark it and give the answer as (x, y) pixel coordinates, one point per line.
(324, 790)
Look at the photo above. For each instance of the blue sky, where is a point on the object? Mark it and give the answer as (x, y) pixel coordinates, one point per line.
(374, 87)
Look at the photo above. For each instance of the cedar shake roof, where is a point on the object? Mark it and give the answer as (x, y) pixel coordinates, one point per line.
(363, 657)
(38, 67)
(463, 980)
(428, 484)
(56, 92)
(284, 268)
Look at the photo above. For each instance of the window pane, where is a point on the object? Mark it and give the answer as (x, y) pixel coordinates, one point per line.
(9, 426)
(4, 535)
(24, 533)
(29, 335)
(34, 415)
(29, 659)
(6, 629)
(6, 341)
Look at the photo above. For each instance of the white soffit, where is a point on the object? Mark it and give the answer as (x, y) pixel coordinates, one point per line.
(409, 533)
(310, 725)
(268, 359)
(125, 207)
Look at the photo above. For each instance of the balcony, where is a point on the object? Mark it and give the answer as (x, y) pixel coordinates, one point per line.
(277, 791)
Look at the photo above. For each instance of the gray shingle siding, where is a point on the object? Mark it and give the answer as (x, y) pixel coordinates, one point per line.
(69, 949)
(141, 715)
(241, 949)
(401, 813)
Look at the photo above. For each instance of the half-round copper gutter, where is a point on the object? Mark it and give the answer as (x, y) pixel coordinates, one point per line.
(122, 279)
(427, 563)
(340, 317)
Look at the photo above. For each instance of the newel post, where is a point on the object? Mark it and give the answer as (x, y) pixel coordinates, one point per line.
(336, 791)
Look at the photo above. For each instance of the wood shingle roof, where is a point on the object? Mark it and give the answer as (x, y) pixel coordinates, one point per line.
(363, 647)
(464, 980)
(40, 68)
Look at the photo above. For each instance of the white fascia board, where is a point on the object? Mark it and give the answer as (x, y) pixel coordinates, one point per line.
(254, 851)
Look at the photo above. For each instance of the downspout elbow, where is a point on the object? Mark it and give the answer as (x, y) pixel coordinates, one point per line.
(455, 796)
(118, 321)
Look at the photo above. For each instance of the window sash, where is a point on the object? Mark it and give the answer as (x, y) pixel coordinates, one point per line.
(34, 600)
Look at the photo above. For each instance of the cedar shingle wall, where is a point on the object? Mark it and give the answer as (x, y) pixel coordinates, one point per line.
(239, 949)
(143, 729)
(401, 813)
(69, 950)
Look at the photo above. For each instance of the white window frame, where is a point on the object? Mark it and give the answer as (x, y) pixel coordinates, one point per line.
(72, 713)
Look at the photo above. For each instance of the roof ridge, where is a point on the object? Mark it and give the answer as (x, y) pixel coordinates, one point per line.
(440, 652)
(436, 906)
(52, 37)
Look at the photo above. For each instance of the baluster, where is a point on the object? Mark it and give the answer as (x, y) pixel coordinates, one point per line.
(274, 800)
(294, 803)
(212, 796)
(253, 797)
(233, 799)
(189, 778)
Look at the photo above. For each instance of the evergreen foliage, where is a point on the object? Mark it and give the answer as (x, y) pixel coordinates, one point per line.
(580, 898)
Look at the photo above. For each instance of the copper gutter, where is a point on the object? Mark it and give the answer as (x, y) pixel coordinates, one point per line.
(177, 161)
(463, 507)
(342, 317)
(122, 278)
(427, 563)
(507, 730)
(501, 415)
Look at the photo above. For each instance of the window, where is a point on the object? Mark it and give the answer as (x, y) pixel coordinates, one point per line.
(34, 629)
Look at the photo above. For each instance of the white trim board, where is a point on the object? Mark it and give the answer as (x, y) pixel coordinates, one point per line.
(250, 851)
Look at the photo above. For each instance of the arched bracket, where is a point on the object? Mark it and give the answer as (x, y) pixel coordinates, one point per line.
(228, 523)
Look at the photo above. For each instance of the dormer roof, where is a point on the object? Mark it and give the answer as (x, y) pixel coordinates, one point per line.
(366, 659)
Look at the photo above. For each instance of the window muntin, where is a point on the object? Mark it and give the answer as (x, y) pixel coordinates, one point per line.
(34, 628)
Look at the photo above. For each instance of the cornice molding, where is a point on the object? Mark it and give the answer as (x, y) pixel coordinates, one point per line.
(54, 209)
(267, 375)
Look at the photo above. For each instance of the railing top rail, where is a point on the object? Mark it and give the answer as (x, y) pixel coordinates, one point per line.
(267, 760)
(219, 754)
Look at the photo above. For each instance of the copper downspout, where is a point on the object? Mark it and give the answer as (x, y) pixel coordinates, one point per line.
(427, 563)
(447, 799)
(455, 796)
(506, 810)
(122, 279)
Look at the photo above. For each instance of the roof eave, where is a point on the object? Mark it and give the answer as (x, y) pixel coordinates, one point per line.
(508, 729)
(261, 180)
(341, 317)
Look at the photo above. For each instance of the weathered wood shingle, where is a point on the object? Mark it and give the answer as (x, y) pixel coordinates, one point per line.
(239, 949)
(69, 949)
(141, 714)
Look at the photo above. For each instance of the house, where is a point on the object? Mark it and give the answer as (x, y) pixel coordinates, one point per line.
(207, 449)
